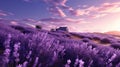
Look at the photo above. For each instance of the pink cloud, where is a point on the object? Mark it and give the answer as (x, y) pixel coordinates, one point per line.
(105, 7)
(57, 11)
(54, 7)
(31, 25)
(49, 23)
(103, 10)
(79, 12)
(14, 22)
(29, 20)
(61, 13)
(58, 8)
(64, 20)
(8, 22)
(4, 13)
(109, 8)
(97, 15)
(97, 11)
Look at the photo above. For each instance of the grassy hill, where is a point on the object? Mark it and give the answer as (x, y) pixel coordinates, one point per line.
(30, 47)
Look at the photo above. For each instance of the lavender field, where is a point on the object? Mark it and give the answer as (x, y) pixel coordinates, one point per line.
(32, 47)
(59, 33)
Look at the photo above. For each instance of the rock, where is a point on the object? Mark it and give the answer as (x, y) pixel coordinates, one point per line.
(38, 27)
(62, 29)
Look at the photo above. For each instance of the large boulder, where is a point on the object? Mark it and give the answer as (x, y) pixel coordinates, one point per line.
(38, 27)
(62, 29)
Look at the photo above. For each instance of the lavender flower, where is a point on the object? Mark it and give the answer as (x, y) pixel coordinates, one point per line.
(68, 63)
(112, 58)
(25, 64)
(15, 53)
(20, 65)
(81, 63)
(7, 41)
(29, 54)
(6, 55)
(76, 62)
(36, 62)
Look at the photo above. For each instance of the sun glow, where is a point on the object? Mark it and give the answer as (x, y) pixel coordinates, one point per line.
(116, 25)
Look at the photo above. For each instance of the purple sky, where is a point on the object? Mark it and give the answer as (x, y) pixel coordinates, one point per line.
(77, 15)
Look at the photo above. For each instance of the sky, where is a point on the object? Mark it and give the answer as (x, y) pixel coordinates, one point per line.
(77, 15)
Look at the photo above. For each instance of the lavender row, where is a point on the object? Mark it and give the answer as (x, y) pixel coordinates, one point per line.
(44, 49)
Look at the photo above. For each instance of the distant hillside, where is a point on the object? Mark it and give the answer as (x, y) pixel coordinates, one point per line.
(116, 33)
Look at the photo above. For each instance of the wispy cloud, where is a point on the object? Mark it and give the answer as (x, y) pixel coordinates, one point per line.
(56, 7)
(59, 8)
(103, 10)
(62, 14)
(79, 12)
(9, 22)
(29, 20)
(67, 20)
(109, 7)
(56, 11)
(97, 11)
(99, 15)
(72, 24)
(4, 13)
(14, 22)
